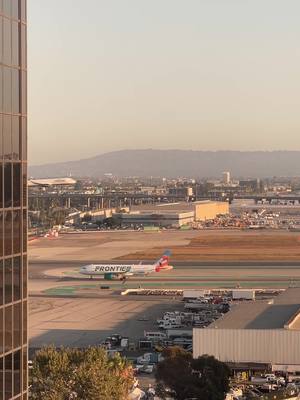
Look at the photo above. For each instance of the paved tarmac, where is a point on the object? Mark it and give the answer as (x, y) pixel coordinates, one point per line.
(69, 309)
(84, 322)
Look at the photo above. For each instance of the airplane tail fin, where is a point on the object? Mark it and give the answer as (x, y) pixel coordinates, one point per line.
(163, 262)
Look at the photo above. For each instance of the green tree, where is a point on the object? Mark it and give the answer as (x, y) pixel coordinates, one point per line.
(213, 377)
(204, 378)
(89, 374)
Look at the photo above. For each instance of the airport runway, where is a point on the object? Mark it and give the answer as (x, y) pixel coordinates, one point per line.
(49, 276)
(55, 263)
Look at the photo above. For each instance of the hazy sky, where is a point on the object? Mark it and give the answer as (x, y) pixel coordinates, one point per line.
(188, 74)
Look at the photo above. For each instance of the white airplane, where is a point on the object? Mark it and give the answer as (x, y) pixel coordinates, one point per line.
(122, 271)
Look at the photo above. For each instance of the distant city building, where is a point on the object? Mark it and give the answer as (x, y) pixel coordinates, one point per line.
(13, 201)
(181, 191)
(226, 179)
(250, 184)
(152, 190)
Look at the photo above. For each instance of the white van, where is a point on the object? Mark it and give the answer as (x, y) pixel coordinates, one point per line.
(155, 336)
(170, 325)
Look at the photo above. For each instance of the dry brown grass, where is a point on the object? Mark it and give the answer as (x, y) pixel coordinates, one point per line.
(232, 246)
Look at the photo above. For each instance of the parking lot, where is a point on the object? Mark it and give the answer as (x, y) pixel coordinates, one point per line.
(83, 322)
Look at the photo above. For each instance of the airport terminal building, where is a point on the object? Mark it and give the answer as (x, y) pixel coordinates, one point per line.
(265, 333)
(13, 201)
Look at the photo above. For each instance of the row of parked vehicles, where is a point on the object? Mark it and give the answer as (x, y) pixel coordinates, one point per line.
(196, 314)
(267, 386)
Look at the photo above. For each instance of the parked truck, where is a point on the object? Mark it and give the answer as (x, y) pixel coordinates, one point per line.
(243, 294)
(190, 294)
(169, 325)
(179, 333)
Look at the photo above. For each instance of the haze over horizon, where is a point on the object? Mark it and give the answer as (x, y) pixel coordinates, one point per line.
(202, 75)
(132, 150)
(175, 163)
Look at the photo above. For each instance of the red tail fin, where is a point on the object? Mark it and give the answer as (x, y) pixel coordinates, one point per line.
(163, 262)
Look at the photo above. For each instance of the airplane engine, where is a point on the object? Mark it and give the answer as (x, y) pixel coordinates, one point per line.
(109, 277)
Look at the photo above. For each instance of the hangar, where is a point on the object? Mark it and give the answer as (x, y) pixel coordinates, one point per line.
(155, 218)
(174, 214)
(260, 332)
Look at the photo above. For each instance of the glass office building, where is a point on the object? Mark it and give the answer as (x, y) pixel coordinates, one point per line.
(13, 200)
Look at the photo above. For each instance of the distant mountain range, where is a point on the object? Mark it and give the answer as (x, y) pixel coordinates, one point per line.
(174, 163)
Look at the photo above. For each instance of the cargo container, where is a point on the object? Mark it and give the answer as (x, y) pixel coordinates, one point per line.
(179, 333)
(195, 293)
(243, 294)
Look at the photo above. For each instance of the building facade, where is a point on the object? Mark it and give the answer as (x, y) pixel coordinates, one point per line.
(208, 210)
(261, 332)
(158, 219)
(13, 200)
(256, 346)
(226, 179)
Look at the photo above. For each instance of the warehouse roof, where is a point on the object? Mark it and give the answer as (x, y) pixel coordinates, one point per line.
(173, 207)
(282, 312)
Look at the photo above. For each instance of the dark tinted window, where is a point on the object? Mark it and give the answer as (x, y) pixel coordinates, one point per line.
(24, 93)
(7, 142)
(24, 231)
(1, 233)
(1, 285)
(17, 371)
(25, 276)
(7, 233)
(8, 280)
(24, 138)
(24, 178)
(1, 186)
(8, 328)
(17, 232)
(16, 185)
(7, 185)
(1, 333)
(25, 322)
(15, 133)
(25, 358)
(8, 376)
(1, 73)
(1, 371)
(17, 278)
(17, 324)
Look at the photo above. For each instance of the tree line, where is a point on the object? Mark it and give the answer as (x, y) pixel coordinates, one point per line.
(90, 374)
